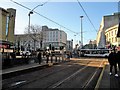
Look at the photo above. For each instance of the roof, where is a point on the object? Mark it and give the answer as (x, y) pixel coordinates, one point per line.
(3, 10)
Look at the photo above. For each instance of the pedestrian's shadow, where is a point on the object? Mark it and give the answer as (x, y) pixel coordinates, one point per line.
(114, 82)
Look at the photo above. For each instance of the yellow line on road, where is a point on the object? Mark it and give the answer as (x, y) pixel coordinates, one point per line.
(99, 80)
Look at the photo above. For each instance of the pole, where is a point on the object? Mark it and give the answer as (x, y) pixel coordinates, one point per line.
(29, 24)
(81, 32)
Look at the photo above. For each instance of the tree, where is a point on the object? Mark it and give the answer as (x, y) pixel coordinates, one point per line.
(36, 34)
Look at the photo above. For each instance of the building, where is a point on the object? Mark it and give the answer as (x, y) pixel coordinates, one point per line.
(111, 36)
(7, 22)
(53, 37)
(108, 22)
(24, 42)
(3, 20)
(91, 45)
(69, 45)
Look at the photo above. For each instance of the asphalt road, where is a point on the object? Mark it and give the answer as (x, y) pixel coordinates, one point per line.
(78, 73)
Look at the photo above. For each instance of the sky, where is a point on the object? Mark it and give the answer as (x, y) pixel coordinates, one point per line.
(66, 14)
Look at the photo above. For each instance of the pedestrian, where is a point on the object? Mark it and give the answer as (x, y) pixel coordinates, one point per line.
(118, 59)
(47, 55)
(39, 57)
(113, 62)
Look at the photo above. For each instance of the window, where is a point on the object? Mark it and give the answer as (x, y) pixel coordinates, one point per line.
(109, 34)
(115, 39)
(112, 33)
(112, 39)
(115, 32)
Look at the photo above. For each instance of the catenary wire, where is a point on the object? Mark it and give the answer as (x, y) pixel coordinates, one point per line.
(86, 15)
(42, 16)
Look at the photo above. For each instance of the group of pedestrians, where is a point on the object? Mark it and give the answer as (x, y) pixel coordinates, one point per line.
(114, 61)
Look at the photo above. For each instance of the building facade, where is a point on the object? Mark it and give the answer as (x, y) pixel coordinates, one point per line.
(108, 22)
(54, 37)
(111, 36)
(7, 20)
(69, 45)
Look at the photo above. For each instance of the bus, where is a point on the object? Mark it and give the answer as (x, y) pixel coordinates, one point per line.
(95, 52)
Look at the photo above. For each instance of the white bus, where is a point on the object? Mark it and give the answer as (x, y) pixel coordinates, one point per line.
(95, 52)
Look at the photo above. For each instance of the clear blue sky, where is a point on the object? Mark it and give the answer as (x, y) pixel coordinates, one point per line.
(65, 13)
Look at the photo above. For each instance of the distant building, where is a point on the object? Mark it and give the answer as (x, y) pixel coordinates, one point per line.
(54, 37)
(7, 22)
(91, 45)
(107, 23)
(69, 45)
(111, 36)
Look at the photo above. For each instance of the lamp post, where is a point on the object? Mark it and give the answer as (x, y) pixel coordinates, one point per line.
(31, 12)
(81, 32)
(75, 39)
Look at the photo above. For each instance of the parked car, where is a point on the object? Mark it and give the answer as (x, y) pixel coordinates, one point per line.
(25, 53)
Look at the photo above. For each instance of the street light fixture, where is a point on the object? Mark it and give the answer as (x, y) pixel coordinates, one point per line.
(31, 12)
(81, 32)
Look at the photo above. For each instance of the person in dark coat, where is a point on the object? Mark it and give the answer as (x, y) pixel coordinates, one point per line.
(47, 55)
(118, 59)
(39, 57)
(113, 62)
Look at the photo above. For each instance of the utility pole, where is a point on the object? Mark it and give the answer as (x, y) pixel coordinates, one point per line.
(81, 32)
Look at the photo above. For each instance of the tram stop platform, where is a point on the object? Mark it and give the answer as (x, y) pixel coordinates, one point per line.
(107, 81)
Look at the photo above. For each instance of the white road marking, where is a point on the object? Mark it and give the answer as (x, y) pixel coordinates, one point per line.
(57, 84)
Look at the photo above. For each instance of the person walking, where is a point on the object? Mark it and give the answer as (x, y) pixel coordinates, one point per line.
(113, 62)
(118, 59)
(47, 55)
(39, 57)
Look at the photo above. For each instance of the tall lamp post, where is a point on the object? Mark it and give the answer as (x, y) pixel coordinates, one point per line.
(81, 32)
(75, 40)
(31, 12)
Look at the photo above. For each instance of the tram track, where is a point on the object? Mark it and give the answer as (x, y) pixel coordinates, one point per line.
(86, 85)
(74, 68)
(68, 65)
(74, 74)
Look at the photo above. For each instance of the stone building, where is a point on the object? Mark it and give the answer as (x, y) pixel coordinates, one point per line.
(53, 37)
(7, 25)
(108, 23)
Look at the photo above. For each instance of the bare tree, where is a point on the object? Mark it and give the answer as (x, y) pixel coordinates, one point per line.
(35, 33)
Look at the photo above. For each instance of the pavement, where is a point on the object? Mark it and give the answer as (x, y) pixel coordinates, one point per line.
(107, 81)
(18, 70)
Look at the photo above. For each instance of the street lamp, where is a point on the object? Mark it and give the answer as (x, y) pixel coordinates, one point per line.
(81, 32)
(31, 12)
(75, 39)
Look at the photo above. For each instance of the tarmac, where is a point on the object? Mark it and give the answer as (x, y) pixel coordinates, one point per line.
(104, 81)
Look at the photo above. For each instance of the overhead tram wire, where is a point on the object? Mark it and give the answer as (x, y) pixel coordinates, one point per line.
(86, 15)
(42, 16)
